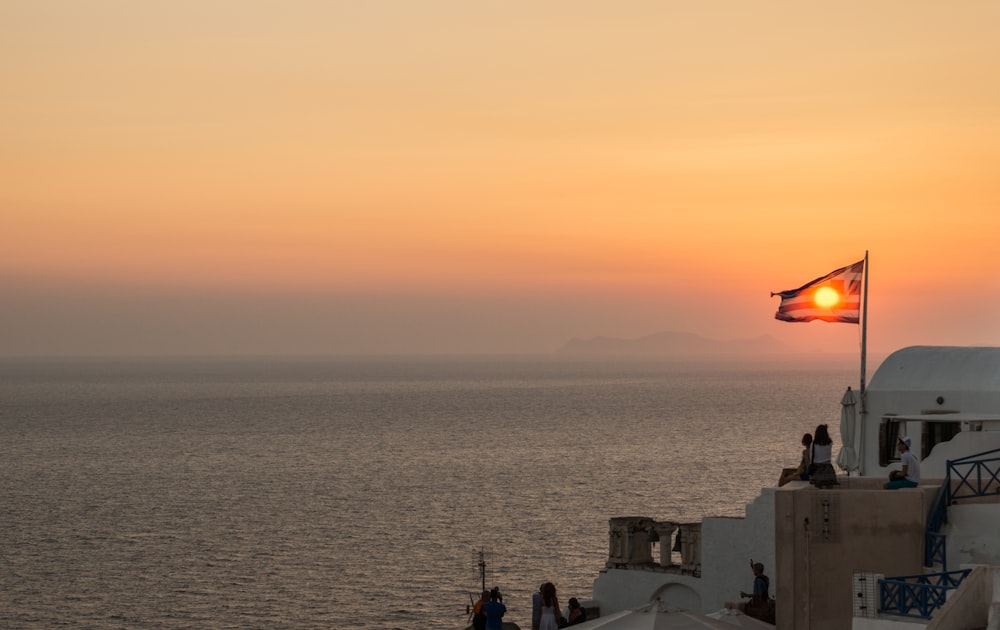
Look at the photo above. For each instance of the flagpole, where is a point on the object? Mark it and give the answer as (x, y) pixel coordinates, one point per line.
(864, 335)
(864, 361)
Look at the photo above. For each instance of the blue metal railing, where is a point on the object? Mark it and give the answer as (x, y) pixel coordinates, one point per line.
(917, 595)
(975, 476)
(920, 595)
(935, 550)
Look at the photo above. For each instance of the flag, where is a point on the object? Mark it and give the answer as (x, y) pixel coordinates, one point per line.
(836, 297)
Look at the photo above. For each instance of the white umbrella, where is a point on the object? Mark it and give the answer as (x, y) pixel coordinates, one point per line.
(652, 617)
(848, 457)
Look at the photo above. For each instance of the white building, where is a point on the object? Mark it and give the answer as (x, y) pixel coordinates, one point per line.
(832, 554)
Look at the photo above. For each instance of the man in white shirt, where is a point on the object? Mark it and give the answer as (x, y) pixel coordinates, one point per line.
(909, 476)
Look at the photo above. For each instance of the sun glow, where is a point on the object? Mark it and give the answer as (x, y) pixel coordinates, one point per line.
(826, 297)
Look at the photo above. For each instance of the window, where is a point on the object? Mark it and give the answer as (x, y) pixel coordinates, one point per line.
(934, 433)
(889, 432)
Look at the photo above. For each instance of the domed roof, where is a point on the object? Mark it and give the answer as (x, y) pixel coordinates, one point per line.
(952, 368)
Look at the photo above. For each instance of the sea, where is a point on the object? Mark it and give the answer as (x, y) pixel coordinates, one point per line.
(365, 492)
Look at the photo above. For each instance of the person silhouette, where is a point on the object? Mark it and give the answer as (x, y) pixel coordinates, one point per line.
(759, 605)
(822, 474)
(909, 476)
(495, 610)
(802, 471)
(478, 614)
(549, 605)
(577, 614)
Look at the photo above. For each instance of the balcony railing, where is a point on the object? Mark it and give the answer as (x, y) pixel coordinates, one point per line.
(974, 476)
(918, 595)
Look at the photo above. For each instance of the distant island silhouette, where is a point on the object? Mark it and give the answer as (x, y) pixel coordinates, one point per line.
(675, 344)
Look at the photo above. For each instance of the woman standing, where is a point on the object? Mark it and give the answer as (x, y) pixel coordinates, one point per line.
(550, 608)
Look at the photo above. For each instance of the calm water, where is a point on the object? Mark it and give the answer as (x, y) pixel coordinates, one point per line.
(356, 494)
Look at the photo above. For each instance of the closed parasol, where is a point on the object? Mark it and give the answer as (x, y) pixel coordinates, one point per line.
(848, 459)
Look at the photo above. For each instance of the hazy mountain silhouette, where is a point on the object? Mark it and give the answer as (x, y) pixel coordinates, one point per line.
(670, 343)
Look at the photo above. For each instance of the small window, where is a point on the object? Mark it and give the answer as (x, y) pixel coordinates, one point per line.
(888, 433)
(935, 433)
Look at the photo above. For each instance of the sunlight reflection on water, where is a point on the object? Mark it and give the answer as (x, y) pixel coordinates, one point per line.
(356, 494)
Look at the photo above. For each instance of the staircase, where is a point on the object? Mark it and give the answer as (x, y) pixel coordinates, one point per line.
(968, 477)
(921, 595)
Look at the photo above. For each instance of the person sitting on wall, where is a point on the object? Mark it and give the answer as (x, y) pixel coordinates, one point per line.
(760, 606)
(909, 476)
(821, 472)
(802, 472)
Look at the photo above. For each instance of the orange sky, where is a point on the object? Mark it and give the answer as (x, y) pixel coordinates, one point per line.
(388, 176)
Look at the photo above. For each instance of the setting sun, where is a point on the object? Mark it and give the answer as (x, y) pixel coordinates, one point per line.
(395, 177)
(826, 297)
